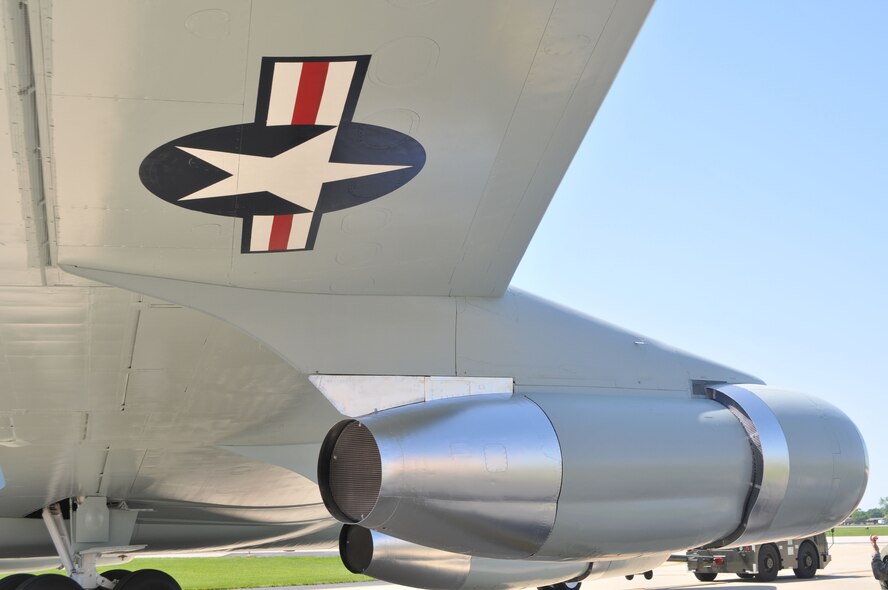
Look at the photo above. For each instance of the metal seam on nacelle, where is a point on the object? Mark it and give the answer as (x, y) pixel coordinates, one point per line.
(560, 485)
(768, 487)
(585, 574)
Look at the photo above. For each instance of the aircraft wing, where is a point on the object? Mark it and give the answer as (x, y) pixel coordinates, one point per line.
(161, 139)
(479, 105)
(344, 189)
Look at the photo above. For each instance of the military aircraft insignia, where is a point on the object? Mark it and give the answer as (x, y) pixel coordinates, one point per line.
(303, 156)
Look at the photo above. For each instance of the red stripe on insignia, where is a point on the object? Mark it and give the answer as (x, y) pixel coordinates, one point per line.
(311, 89)
(280, 232)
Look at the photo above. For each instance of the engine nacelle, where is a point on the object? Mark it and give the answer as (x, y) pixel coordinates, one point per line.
(591, 476)
(400, 562)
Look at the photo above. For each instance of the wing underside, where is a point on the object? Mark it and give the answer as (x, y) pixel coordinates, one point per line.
(496, 97)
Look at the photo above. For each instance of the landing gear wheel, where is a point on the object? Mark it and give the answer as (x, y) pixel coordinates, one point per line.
(116, 575)
(14, 581)
(148, 580)
(630, 576)
(768, 563)
(808, 562)
(49, 582)
(745, 576)
(649, 574)
(705, 576)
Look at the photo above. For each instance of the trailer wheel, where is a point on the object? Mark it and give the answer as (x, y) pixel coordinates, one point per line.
(808, 561)
(705, 576)
(745, 575)
(768, 563)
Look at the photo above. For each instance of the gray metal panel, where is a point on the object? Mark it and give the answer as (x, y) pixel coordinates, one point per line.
(111, 215)
(542, 344)
(820, 443)
(478, 84)
(108, 392)
(631, 476)
(350, 335)
(579, 55)
(201, 46)
(518, 336)
(20, 252)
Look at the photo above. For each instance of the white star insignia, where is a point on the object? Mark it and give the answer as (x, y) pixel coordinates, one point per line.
(295, 175)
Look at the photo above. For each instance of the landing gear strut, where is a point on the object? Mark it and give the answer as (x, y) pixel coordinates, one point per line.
(80, 565)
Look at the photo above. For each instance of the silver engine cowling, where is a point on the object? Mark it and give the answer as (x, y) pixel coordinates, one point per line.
(592, 476)
(400, 562)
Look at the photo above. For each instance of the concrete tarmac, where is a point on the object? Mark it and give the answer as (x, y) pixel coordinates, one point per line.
(848, 570)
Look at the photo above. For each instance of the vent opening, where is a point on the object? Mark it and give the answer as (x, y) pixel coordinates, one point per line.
(355, 548)
(350, 471)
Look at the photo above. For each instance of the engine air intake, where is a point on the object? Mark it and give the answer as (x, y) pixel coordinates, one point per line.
(355, 470)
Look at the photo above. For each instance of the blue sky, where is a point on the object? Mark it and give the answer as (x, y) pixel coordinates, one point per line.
(730, 199)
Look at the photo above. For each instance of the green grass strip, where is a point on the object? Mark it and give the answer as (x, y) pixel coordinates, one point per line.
(861, 531)
(223, 573)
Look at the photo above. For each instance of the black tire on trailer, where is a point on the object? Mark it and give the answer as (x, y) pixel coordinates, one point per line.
(14, 581)
(808, 561)
(49, 582)
(768, 563)
(705, 576)
(745, 575)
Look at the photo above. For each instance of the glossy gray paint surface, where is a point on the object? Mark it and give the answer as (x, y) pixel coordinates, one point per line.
(478, 475)
(139, 400)
(401, 562)
(531, 340)
(828, 466)
(634, 481)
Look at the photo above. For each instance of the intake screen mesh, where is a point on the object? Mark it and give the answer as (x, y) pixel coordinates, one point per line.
(355, 472)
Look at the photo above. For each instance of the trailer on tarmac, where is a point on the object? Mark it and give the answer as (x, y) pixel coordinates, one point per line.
(760, 562)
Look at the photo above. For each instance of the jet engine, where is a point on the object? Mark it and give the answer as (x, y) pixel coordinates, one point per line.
(589, 476)
(400, 562)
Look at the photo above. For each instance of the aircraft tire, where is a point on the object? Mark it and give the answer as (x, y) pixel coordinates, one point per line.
(808, 562)
(745, 576)
(705, 576)
(630, 576)
(49, 582)
(768, 563)
(649, 575)
(116, 575)
(14, 581)
(148, 580)
(562, 586)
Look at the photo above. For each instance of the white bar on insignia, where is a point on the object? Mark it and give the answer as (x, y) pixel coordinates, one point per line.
(261, 233)
(336, 87)
(299, 231)
(284, 86)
